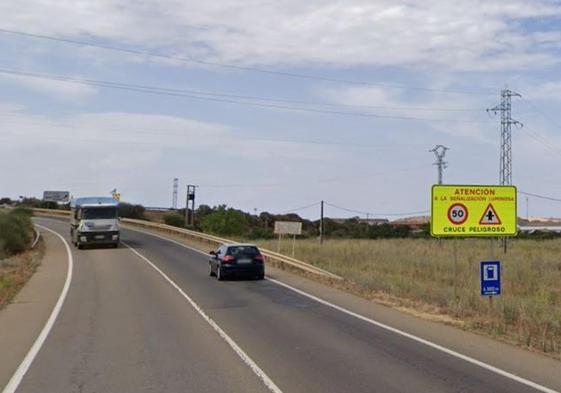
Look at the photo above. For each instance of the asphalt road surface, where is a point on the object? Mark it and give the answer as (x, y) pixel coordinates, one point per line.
(125, 328)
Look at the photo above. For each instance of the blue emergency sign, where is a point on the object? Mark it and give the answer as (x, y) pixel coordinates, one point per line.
(490, 278)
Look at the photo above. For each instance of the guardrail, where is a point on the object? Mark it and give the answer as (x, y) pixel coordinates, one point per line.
(212, 241)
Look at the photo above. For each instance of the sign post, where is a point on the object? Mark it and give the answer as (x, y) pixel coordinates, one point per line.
(475, 211)
(288, 228)
(490, 272)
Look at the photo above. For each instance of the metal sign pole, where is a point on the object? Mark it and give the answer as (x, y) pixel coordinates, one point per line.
(492, 258)
(455, 269)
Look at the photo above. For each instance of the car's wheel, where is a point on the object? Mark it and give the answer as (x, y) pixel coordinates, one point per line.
(219, 274)
(261, 276)
(210, 272)
(80, 246)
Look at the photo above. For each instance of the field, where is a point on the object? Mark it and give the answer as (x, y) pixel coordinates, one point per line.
(420, 275)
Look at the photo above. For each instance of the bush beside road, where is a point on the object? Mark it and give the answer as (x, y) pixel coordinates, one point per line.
(16, 231)
(17, 264)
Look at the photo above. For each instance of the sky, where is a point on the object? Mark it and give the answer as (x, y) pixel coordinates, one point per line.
(275, 105)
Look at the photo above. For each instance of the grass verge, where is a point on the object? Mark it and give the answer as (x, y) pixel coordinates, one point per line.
(419, 276)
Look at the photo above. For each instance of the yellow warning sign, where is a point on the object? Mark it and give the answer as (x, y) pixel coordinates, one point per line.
(466, 210)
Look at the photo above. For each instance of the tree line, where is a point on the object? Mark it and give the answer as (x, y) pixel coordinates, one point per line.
(222, 220)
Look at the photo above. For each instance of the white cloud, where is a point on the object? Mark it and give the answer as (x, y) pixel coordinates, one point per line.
(456, 115)
(462, 35)
(549, 91)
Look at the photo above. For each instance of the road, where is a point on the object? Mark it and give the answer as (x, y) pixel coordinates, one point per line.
(125, 328)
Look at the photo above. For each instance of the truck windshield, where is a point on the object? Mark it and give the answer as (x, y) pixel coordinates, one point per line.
(92, 213)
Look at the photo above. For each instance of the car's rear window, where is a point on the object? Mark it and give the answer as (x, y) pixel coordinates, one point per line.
(243, 251)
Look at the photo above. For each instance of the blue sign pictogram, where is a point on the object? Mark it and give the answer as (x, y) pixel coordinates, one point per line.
(490, 278)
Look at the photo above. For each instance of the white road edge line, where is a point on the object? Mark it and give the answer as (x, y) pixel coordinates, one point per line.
(420, 340)
(268, 382)
(438, 347)
(17, 377)
(37, 236)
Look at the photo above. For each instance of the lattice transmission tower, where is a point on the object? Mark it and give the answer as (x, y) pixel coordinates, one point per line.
(505, 108)
(439, 152)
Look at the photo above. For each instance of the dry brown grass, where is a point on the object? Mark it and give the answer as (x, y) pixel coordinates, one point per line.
(16, 271)
(419, 274)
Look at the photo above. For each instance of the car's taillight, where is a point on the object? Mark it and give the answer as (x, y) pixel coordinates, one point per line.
(228, 258)
(259, 258)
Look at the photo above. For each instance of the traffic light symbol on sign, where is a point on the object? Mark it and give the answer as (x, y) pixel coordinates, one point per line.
(490, 216)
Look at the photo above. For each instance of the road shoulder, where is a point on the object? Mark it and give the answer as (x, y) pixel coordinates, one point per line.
(23, 319)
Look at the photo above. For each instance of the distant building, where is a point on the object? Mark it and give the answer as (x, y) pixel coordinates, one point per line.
(369, 221)
(412, 222)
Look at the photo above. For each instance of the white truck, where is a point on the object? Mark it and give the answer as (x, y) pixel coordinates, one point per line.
(94, 220)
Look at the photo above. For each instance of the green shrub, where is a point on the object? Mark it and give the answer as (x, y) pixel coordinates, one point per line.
(23, 211)
(16, 232)
(128, 210)
(174, 219)
(227, 222)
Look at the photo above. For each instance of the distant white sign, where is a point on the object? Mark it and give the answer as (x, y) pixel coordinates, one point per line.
(288, 228)
(56, 196)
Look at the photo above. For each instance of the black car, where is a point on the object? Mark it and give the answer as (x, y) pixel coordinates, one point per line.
(237, 260)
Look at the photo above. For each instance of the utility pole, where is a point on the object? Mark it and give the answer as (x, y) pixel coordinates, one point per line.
(190, 205)
(439, 152)
(527, 210)
(174, 197)
(505, 161)
(321, 228)
(505, 107)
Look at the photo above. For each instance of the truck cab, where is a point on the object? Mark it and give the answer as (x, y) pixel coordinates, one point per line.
(94, 220)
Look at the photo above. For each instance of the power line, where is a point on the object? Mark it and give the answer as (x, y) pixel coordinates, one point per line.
(299, 208)
(539, 137)
(543, 141)
(540, 196)
(221, 137)
(100, 83)
(234, 66)
(376, 214)
(543, 114)
(316, 181)
(163, 92)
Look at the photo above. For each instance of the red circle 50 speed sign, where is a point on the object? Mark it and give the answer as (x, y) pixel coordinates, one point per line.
(457, 214)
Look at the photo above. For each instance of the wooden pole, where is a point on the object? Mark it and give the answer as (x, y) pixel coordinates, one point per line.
(279, 244)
